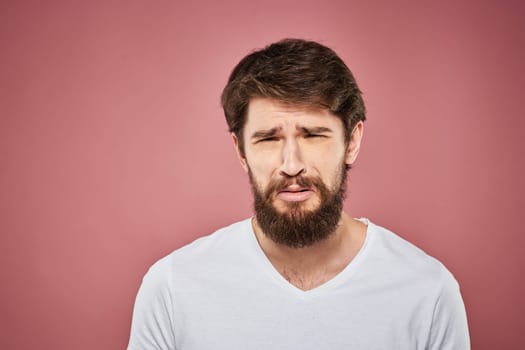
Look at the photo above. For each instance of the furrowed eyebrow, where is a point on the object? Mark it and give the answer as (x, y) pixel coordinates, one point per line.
(262, 134)
(315, 130)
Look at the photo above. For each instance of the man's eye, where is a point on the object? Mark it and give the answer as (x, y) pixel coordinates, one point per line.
(311, 136)
(268, 139)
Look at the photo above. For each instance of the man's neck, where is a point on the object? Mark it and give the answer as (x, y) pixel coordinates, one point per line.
(309, 267)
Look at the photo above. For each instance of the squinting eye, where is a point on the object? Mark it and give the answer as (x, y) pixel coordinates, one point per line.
(268, 139)
(309, 136)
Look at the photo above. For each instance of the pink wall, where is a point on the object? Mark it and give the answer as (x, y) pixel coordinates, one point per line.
(114, 151)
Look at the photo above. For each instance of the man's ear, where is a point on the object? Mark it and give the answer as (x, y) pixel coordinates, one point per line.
(240, 154)
(354, 143)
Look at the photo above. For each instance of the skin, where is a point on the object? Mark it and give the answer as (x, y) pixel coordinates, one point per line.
(281, 140)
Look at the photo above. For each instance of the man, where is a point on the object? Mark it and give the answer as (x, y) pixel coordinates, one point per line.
(300, 274)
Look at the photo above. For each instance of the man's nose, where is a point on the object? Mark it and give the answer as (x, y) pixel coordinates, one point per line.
(292, 162)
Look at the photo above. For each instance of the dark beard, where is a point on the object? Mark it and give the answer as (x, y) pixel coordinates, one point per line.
(298, 227)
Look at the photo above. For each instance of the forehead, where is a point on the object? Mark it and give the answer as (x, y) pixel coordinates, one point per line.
(264, 113)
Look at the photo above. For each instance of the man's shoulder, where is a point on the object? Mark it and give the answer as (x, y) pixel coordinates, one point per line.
(398, 254)
(222, 240)
(209, 249)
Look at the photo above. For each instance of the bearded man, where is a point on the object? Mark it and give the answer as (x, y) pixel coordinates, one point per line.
(300, 274)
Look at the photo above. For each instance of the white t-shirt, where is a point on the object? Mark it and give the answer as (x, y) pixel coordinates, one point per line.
(221, 292)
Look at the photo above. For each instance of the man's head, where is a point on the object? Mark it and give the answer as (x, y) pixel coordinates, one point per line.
(296, 72)
(296, 115)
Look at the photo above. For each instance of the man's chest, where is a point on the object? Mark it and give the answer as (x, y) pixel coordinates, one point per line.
(261, 319)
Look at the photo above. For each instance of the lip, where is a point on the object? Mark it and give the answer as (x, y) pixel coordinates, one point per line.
(295, 194)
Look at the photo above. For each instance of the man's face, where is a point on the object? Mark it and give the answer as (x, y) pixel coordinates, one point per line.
(296, 159)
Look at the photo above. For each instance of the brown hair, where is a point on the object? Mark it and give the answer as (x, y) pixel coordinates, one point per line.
(293, 71)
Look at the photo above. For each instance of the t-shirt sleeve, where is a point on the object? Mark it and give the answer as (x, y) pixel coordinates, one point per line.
(449, 330)
(152, 326)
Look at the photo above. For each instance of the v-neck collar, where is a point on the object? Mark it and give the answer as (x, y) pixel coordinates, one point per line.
(343, 276)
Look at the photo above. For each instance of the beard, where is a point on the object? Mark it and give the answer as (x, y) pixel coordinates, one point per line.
(297, 227)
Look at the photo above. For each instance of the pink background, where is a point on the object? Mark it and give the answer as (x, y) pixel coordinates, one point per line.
(114, 150)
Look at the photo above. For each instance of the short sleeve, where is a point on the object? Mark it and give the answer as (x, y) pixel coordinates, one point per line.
(449, 330)
(152, 326)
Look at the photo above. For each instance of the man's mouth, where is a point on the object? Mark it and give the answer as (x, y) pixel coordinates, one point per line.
(295, 193)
